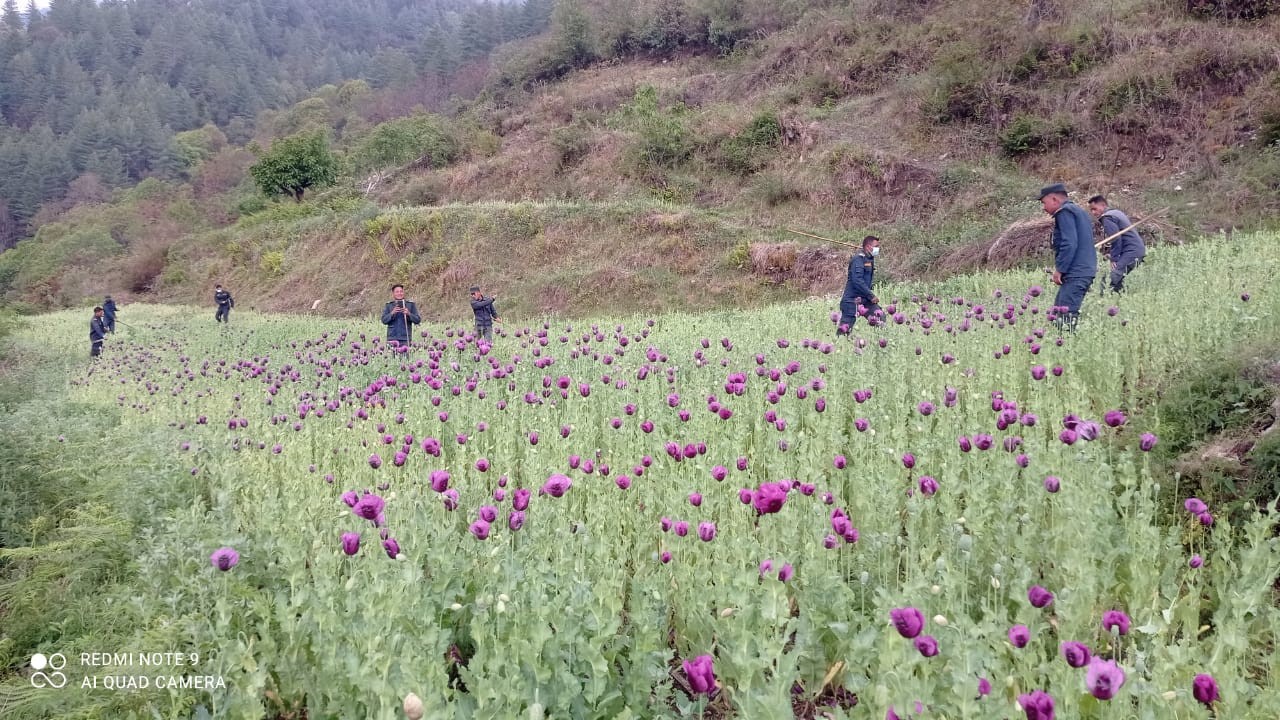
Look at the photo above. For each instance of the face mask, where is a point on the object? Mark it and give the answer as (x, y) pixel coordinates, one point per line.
(875, 251)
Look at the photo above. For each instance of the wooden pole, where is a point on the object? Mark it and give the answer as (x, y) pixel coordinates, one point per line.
(819, 237)
(1113, 236)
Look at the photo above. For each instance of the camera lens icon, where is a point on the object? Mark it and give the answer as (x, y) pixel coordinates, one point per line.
(53, 678)
(39, 661)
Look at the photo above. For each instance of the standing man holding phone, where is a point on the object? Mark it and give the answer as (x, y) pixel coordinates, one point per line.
(399, 316)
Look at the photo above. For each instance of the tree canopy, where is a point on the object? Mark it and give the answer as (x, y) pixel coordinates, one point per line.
(294, 164)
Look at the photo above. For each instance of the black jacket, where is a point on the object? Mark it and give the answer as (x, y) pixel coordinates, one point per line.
(1129, 246)
(109, 308)
(484, 310)
(1073, 251)
(397, 328)
(97, 330)
(862, 270)
(222, 297)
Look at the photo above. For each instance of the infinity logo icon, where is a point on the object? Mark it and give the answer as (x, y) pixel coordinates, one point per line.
(53, 678)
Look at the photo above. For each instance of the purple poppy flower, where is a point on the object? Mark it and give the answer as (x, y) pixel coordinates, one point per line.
(719, 473)
(741, 464)
(908, 461)
(556, 485)
(926, 408)
(488, 513)
(351, 543)
(1019, 636)
(1038, 372)
(1068, 437)
(1076, 654)
(1114, 418)
(375, 462)
(1205, 518)
(1205, 689)
(786, 572)
(700, 674)
(1052, 484)
(840, 462)
(706, 531)
(520, 499)
(1115, 619)
(392, 547)
(224, 558)
(765, 566)
(829, 542)
(861, 424)
(984, 687)
(369, 507)
(515, 520)
(891, 715)
(682, 528)
(1147, 442)
(965, 444)
(350, 498)
(983, 441)
(1037, 705)
(1195, 505)
(769, 498)
(1104, 678)
(1039, 597)
(928, 485)
(1022, 460)
(450, 498)
(908, 621)
(927, 645)
(439, 480)
(665, 557)
(1195, 561)
(480, 529)
(695, 499)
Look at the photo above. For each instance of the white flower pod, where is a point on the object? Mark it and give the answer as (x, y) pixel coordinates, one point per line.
(1169, 695)
(940, 620)
(455, 606)
(727, 612)
(501, 607)
(536, 712)
(413, 707)
(936, 589)
(503, 597)
(995, 583)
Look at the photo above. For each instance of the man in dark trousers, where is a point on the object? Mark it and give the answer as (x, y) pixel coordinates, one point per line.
(858, 298)
(1075, 260)
(399, 316)
(109, 314)
(225, 303)
(97, 332)
(1128, 249)
(486, 314)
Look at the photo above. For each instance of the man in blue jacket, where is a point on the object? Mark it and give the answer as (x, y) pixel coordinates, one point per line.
(109, 314)
(486, 314)
(1127, 250)
(97, 333)
(858, 297)
(1075, 260)
(399, 316)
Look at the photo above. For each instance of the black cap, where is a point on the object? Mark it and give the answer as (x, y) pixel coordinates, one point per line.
(474, 288)
(1051, 189)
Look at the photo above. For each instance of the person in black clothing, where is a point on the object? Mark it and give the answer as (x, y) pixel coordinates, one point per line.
(1075, 260)
(1128, 249)
(109, 314)
(858, 298)
(486, 314)
(399, 316)
(225, 303)
(97, 332)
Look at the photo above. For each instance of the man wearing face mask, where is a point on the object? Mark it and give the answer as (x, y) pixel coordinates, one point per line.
(858, 298)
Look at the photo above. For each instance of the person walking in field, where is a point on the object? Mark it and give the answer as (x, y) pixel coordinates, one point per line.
(1127, 250)
(486, 314)
(858, 297)
(399, 316)
(97, 332)
(1075, 261)
(109, 314)
(225, 303)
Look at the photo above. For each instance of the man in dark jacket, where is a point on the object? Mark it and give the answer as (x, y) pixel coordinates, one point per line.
(225, 303)
(1075, 260)
(97, 332)
(1127, 250)
(858, 298)
(109, 314)
(399, 316)
(486, 314)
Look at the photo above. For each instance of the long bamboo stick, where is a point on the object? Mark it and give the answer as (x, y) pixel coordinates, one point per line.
(819, 237)
(1113, 236)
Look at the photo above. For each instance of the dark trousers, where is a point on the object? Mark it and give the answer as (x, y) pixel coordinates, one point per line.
(110, 322)
(849, 314)
(1070, 296)
(95, 349)
(485, 331)
(223, 314)
(1123, 267)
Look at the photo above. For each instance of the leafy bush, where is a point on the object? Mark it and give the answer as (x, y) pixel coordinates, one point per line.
(1217, 397)
(423, 139)
(662, 137)
(273, 263)
(1029, 133)
(295, 164)
(747, 151)
(571, 143)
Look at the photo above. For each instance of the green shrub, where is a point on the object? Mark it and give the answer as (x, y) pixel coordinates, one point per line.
(772, 190)
(1029, 133)
(424, 139)
(739, 256)
(571, 143)
(748, 150)
(662, 138)
(1218, 397)
(272, 263)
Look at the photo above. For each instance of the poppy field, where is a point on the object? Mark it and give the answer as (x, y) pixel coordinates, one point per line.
(954, 513)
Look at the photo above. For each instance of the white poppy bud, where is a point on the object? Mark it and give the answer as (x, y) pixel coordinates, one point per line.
(413, 707)
(940, 620)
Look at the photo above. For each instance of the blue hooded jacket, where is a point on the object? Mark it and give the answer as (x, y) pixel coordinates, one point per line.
(1073, 253)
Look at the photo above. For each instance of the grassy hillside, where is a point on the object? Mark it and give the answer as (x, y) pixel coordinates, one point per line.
(652, 155)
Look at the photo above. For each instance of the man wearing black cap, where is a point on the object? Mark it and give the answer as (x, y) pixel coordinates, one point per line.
(1127, 249)
(97, 333)
(1075, 261)
(486, 315)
